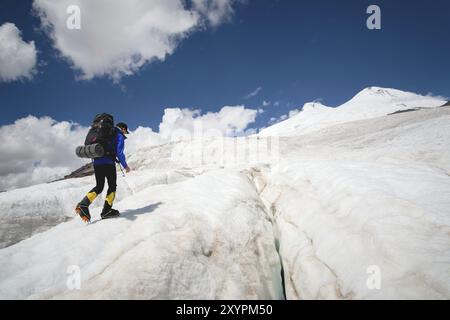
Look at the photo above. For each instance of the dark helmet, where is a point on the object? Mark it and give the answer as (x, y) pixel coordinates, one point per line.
(123, 126)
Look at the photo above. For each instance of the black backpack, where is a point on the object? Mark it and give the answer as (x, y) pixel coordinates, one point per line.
(103, 132)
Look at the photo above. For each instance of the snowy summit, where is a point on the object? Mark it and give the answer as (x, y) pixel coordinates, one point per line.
(369, 103)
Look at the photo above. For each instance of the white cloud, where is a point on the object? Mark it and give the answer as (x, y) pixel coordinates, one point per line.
(294, 112)
(229, 121)
(439, 97)
(216, 11)
(17, 58)
(291, 113)
(266, 103)
(140, 138)
(118, 37)
(254, 93)
(37, 150)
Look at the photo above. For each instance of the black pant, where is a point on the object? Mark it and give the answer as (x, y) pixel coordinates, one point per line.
(102, 172)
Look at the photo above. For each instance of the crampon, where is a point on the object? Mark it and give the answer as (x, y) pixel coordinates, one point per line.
(84, 214)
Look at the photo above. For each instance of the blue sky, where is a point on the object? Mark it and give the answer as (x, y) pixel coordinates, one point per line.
(295, 51)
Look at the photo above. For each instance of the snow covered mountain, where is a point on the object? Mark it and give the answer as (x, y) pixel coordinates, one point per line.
(370, 103)
(351, 203)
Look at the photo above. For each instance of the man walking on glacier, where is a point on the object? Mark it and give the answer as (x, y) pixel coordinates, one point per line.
(105, 166)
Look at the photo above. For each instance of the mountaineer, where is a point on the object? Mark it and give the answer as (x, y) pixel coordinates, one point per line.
(105, 143)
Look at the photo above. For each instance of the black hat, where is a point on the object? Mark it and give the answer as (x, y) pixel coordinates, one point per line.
(123, 126)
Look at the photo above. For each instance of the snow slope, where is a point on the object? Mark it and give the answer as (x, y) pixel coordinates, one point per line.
(367, 193)
(28, 211)
(335, 203)
(188, 240)
(370, 103)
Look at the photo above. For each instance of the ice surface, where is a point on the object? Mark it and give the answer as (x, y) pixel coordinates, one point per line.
(349, 192)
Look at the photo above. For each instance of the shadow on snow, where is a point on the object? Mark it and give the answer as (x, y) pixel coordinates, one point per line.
(133, 214)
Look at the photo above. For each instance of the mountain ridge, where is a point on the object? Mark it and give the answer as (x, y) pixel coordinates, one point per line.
(369, 103)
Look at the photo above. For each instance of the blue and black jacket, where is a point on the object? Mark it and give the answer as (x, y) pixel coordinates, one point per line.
(119, 146)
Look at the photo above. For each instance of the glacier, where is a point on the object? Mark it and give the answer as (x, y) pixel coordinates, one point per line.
(363, 185)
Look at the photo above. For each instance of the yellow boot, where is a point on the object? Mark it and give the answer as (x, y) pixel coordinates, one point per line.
(108, 212)
(82, 208)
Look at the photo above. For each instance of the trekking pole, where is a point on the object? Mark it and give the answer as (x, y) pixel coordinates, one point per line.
(125, 179)
(123, 173)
